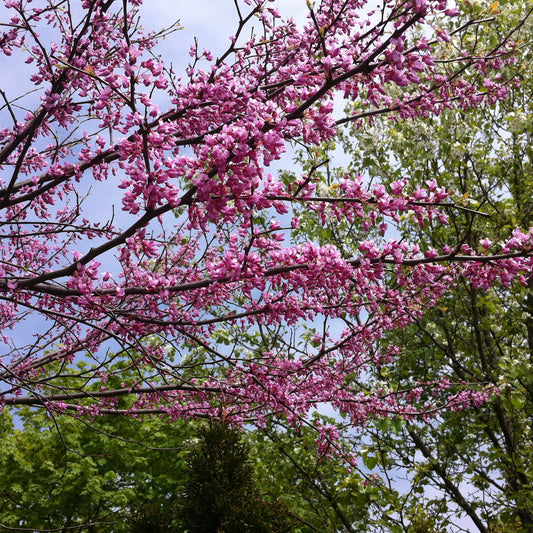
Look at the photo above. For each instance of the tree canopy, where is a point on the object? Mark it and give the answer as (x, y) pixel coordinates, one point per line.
(222, 290)
(478, 461)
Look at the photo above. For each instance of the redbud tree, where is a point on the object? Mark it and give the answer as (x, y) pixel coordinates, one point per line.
(194, 288)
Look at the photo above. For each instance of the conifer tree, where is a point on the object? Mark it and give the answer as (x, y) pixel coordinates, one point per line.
(221, 495)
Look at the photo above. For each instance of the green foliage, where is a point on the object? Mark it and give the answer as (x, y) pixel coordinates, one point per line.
(126, 475)
(63, 472)
(479, 460)
(152, 518)
(322, 494)
(221, 495)
(144, 475)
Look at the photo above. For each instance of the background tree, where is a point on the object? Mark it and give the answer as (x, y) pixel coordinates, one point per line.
(221, 494)
(319, 491)
(68, 472)
(475, 463)
(118, 475)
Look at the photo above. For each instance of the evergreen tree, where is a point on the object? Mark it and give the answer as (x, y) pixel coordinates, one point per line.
(221, 495)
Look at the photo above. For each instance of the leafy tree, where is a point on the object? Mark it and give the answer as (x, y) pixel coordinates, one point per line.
(63, 472)
(477, 462)
(315, 485)
(131, 476)
(127, 475)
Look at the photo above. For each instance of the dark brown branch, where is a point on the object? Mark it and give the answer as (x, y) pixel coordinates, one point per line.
(39, 285)
(112, 393)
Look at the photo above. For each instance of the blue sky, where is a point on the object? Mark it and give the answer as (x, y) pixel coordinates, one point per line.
(211, 21)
